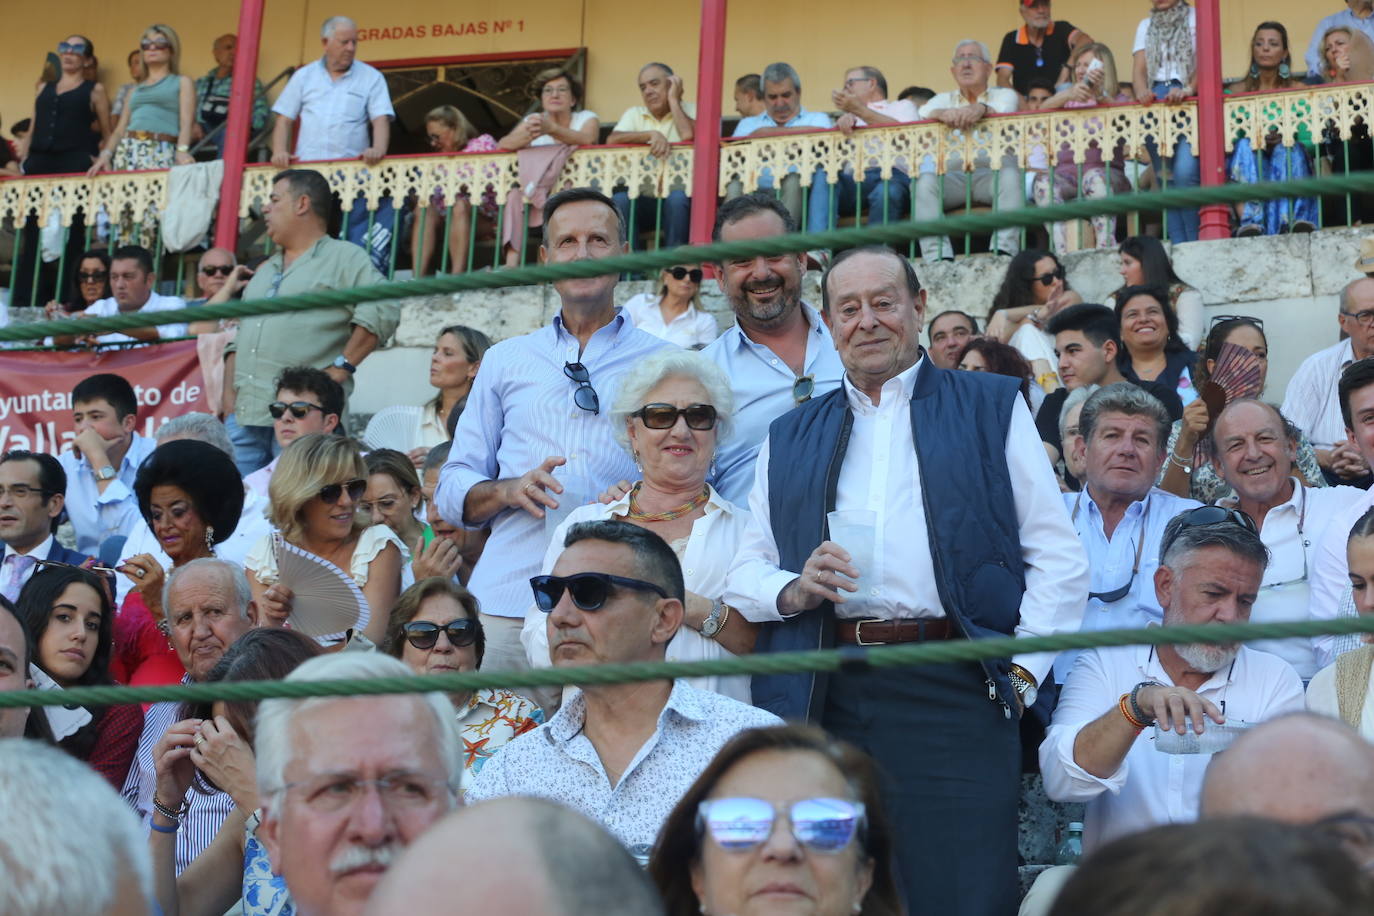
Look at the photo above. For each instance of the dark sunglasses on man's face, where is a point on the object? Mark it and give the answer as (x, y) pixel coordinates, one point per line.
(94, 276)
(216, 270)
(425, 635)
(1049, 278)
(678, 273)
(664, 416)
(299, 409)
(589, 590)
(331, 493)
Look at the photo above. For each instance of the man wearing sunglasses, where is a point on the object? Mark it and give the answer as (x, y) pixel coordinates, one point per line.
(779, 353)
(616, 596)
(537, 418)
(969, 540)
(212, 273)
(308, 401)
(1101, 748)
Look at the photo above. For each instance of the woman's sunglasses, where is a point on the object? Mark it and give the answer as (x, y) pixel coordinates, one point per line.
(589, 590)
(679, 273)
(664, 416)
(299, 409)
(424, 635)
(331, 493)
(820, 824)
(95, 276)
(72, 47)
(156, 44)
(1049, 278)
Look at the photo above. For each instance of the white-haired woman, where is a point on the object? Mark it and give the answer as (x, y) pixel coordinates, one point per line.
(670, 413)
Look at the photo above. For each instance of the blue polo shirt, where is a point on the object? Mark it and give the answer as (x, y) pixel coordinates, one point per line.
(746, 126)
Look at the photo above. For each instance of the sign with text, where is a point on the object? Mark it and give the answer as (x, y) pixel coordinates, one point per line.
(36, 390)
(417, 29)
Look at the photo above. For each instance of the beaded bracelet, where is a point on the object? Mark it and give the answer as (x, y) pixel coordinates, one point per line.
(1126, 712)
(167, 812)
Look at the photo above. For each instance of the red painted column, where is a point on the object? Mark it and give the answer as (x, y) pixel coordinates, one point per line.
(239, 122)
(1216, 222)
(706, 146)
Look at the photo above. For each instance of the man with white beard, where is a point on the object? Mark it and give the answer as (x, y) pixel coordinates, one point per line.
(1107, 744)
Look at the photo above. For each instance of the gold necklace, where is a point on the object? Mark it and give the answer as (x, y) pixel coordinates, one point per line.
(636, 514)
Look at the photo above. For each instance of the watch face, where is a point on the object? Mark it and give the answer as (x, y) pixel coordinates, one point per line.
(1028, 697)
(710, 626)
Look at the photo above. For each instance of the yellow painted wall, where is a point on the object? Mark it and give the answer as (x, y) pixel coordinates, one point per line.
(910, 41)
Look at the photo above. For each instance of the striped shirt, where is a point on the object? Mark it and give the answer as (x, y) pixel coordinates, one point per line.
(520, 412)
(207, 812)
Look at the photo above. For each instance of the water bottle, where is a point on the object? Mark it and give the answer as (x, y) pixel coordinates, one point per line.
(1071, 850)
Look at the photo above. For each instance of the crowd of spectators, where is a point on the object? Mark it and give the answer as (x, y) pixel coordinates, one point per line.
(626, 485)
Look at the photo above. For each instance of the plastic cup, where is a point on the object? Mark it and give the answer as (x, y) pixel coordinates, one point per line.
(576, 492)
(856, 530)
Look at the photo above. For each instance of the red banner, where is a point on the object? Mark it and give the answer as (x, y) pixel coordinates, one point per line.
(36, 390)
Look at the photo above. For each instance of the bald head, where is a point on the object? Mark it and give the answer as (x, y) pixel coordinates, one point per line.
(579, 869)
(1297, 768)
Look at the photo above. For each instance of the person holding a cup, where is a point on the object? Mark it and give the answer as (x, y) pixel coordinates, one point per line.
(912, 503)
(670, 412)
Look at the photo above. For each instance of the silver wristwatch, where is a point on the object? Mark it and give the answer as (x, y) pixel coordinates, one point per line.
(715, 620)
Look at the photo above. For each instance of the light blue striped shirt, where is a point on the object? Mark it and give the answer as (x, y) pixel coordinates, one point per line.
(520, 412)
(96, 516)
(762, 384)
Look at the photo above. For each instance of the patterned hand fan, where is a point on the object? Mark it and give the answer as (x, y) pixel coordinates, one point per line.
(395, 427)
(325, 602)
(1238, 372)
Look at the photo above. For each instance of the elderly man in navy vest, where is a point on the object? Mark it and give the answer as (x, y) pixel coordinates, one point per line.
(969, 538)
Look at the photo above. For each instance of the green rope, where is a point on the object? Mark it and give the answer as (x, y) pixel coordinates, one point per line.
(848, 657)
(652, 261)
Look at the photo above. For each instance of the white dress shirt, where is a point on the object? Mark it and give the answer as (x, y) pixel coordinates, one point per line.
(710, 547)
(1328, 577)
(998, 99)
(557, 761)
(334, 114)
(1293, 531)
(1111, 560)
(96, 516)
(1150, 787)
(762, 384)
(521, 411)
(258, 481)
(252, 527)
(881, 474)
(1310, 400)
(692, 329)
(108, 307)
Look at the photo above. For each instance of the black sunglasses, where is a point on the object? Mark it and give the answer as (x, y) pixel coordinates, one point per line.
(1049, 278)
(1218, 319)
(95, 276)
(589, 590)
(585, 395)
(1204, 516)
(678, 273)
(299, 409)
(424, 635)
(1117, 594)
(331, 493)
(664, 416)
(216, 270)
(72, 47)
(803, 388)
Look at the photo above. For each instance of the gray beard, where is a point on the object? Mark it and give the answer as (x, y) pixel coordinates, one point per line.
(1206, 657)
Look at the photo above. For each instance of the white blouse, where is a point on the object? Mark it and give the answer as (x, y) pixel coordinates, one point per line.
(262, 560)
(692, 329)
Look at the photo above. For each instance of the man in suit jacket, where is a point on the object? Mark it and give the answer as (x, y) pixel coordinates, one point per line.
(33, 489)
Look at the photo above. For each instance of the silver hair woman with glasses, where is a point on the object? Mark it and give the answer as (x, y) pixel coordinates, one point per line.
(671, 412)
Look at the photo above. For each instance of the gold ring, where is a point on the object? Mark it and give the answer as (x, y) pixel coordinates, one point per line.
(200, 739)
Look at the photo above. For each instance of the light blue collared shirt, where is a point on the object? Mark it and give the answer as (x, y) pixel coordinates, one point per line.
(520, 412)
(1110, 561)
(96, 516)
(746, 126)
(762, 383)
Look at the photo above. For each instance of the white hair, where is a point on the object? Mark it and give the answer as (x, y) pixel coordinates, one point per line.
(243, 596)
(202, 427)
(982, 48)
(272, 737)
(61, 815)
(648, 372)
(333, 22)
(1077, 396)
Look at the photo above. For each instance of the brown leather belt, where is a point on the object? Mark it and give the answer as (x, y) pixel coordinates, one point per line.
(878, 632)
(149, 135)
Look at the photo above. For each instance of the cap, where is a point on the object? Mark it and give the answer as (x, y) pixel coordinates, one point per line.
(1365, 262)
(1076, 826)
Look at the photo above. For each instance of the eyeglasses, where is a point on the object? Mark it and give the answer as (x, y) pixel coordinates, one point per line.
(1257, 322)
(156, 44)
(824, 825)
(589, 590)
(299, 409)
(969, 59)
(72, 47)
(857, 79)
(216, 270)
(585, 395)
(386, 504)
(803, 388)
(331, 493)
(424, 635)
(550, 89)
(105, 571)
(95, 276)
(664, 416)
(335, 793)
(22, 491)
(1205, 516)
(678, 273)
(1365, 318)
(1049, 278)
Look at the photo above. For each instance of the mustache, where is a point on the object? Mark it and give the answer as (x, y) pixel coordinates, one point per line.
(355, 857)
(771, 280)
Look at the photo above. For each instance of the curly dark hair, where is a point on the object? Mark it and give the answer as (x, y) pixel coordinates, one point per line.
(207, 475)
(1002, 359)
(1017, 287)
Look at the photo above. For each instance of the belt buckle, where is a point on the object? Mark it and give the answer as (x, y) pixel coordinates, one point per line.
(859, 633)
